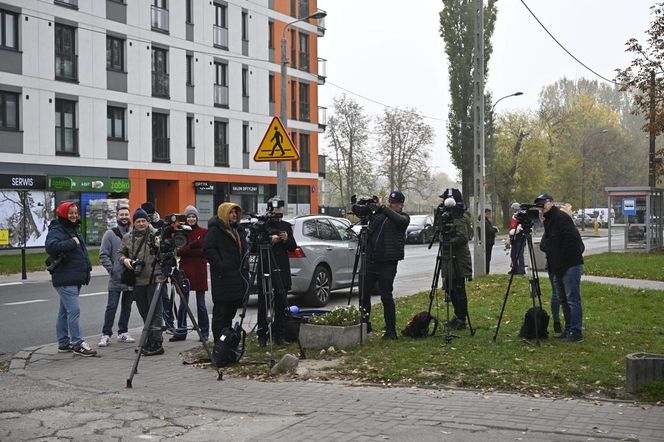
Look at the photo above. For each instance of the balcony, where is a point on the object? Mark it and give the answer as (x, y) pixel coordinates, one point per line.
(322, 70)
(68, 3)
(161, 150)
(159, 19)
(321, 25)
(220, 36)
(160, 84)
(322, 118)
(66, 141)
(322, 161)
(66, 67)
(221, 155)
(220, 95)
(304, 61)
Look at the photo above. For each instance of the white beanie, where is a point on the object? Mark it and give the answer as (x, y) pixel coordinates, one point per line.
(191, 210)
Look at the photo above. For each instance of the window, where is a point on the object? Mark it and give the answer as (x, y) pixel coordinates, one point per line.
(304, 52)
(159, 72)
(115, 123)
(245, 82)
(304, 102)
(220, 15)
(270, 87)
(160, 141)
(189, 11)
(293, 99)
(190, 70)
(305, 162)
(304, 8)
(190, 132)
(293, 52)
(65, 127)
(8, 111)
(326, 231)
(342, 229)
(293, 8)
(221, 84)
(115, 54)
(293, 137)
(245, 26)
(159, 15)
(309, 228)
(245, 138)
(270, 35)
(220, 143)
(65, 52)
(8, 30)
(221, 74)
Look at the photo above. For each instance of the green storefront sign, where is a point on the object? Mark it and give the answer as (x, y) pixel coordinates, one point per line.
(89, 184)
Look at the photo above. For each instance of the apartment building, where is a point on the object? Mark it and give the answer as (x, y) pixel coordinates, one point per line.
(161, 100)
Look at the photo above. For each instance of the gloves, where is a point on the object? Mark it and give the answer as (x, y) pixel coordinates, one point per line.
(519, 229)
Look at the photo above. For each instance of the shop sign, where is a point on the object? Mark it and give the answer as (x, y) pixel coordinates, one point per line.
(22, 182)
(4, 237)
(89, 184)
(244, 189)
(204, 187)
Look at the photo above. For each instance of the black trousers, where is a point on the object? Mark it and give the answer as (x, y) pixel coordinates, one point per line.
(143, 295)
(223, 313)
(489, 249)
(383, 273)
(456, 289)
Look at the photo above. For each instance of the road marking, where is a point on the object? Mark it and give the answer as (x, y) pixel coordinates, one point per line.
(93, 294)
(4, 284)
(25, 302)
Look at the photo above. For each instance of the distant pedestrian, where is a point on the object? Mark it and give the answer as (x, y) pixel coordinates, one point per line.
(194, 266)
(517, 242)
(490, 237)
(118, 293)
(70, 269)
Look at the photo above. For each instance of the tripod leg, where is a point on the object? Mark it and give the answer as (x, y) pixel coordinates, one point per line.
(502, 310)
(352, 279)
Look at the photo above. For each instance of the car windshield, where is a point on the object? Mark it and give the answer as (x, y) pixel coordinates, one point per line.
(418, 220)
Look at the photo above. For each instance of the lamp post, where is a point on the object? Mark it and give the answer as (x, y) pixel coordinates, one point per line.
(282, 172)
(583, 174)
(493, 152)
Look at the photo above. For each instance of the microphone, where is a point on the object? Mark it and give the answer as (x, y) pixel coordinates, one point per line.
(449, 202)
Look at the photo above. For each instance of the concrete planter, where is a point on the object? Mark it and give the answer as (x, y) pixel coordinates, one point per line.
(642, 369)
(323, 336)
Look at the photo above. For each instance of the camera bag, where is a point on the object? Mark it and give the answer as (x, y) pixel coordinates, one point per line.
(227, 349)
(418, 327)
(128, 276)
(535, 315)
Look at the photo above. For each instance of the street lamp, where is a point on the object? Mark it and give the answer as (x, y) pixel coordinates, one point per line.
(282, 172)
(493, 152)
(583, 174)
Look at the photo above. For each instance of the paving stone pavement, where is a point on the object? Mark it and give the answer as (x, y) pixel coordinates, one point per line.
(52, 396)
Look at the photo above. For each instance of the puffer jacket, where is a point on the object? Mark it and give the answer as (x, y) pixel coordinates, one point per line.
(109, 257)
(130, 249)
(561, 242)
(387, 235)
(75, 268)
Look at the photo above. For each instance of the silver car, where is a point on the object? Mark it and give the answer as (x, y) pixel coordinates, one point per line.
(323, 260)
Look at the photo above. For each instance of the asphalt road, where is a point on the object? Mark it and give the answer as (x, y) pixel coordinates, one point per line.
(28, 309)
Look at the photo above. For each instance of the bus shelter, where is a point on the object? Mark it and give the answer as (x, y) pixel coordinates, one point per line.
(636, 219)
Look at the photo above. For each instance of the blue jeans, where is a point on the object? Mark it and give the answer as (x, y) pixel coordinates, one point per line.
(112, 307)
(201, 314)
(67, 327)
(568, 289)
(516, 253)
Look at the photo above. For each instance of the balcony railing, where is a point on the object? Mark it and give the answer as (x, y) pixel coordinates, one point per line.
(159, 18)
(321, 24)
(220, 95)
(221, 155)
(304, 111)
(322, 117)
(161, 150)
(220, 36)
(66, 67)
(159, 84)
(304, 61)
(322, 70)
(68, 3)
(66, 141)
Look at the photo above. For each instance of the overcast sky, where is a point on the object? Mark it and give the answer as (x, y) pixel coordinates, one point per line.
(390, 51)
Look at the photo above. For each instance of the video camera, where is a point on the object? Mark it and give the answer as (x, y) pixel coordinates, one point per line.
(171, 236)
(364, 208)
(527, 214)
(267, 224)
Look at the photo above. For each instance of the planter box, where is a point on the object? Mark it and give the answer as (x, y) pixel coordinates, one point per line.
(323, 336)
(642, 369)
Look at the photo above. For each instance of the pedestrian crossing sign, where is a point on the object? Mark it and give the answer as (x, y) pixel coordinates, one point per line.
(276, 144)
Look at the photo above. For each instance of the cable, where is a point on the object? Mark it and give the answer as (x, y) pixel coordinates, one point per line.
(565, 49)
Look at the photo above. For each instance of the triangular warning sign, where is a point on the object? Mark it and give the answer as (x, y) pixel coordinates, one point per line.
(276, 144)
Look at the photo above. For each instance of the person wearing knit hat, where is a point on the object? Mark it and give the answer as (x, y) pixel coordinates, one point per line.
(194, 266)
(70, 269)
(140, 213)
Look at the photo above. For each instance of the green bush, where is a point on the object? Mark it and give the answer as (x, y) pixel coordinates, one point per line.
(340, 316)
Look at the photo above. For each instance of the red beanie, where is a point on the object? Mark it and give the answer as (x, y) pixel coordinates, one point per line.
(63, 209)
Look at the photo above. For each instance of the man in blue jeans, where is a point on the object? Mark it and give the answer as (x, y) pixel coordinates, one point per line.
(564, 254)
(117, 291)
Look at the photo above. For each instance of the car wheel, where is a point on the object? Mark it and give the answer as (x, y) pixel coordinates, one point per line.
(319, 289)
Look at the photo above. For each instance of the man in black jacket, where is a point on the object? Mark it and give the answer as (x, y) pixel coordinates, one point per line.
(385, 248)
(564, 256)
(490, 232)
(282, 243)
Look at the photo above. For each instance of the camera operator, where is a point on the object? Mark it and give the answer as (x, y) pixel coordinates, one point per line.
(564, 255)
(385, 248)
(225, 248)
(282, 241)
(135, 255)
(455, 268)
(118, 292)
(70, 269)
(516, 243)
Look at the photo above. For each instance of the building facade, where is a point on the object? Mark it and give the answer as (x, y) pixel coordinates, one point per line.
(160, 100)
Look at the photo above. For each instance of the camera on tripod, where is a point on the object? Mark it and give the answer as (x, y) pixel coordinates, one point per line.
(364, 208)
(267, 224)
(172, 236)
(527, 215)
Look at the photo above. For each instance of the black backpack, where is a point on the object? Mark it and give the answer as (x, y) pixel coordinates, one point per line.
(535, 315)
(418, 327)
(227, 349)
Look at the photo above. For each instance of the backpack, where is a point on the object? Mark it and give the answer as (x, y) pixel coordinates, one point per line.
(528, 328)
(227, 349)
(418, 327)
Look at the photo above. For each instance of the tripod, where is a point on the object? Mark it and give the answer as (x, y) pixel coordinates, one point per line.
(535, 290)
(445, 254)
(361, 261)
(170, 273)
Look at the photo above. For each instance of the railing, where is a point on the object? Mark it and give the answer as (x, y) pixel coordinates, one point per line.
(322, 117)
(159, 18)
(160, 84)
(304, 111)
(161, 150)
(322, 69)
(68, 136)
(221, 155)
(321, 24)
(220, 36)
(220, 95)
(304, 61)
(66, 67)
(322, 165)
(69, 3)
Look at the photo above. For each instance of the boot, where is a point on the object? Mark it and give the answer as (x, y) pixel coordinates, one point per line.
(557, 327)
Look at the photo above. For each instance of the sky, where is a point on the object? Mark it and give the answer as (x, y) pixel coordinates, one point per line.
(390, 52)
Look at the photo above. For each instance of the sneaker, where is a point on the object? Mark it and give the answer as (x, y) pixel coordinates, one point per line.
(557, 327)
(575, 337)
(66, 348)
(262, 341)
(153, 351)
(83, 349)
(104, 341)
(126, 338)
